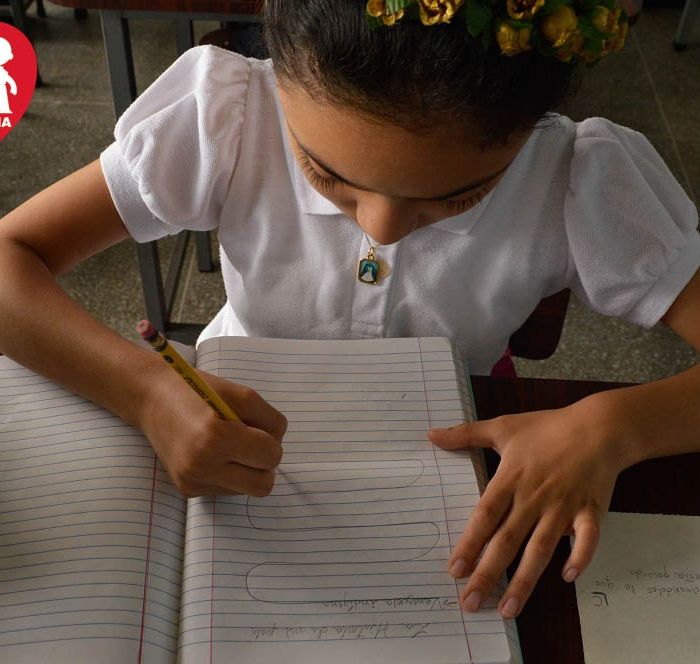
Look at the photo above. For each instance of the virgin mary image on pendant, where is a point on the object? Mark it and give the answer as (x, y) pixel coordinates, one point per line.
(368, 271)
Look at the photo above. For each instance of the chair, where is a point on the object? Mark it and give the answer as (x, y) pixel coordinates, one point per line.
(18, 12)
(538, 337)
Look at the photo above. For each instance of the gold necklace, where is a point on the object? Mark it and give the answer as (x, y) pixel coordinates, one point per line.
(368, 268)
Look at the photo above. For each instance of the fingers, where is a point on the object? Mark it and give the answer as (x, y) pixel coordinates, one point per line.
(587, 531)
(235, 479)
(485, 433)
(226, 457)
(536, 557)
(219, 456)
(248, 446)
(499, 553)
(504, 545)
(241, 481)
(249, 406)
(483, 522)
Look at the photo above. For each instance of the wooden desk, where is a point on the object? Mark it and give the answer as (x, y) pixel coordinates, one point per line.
(550, 632)
(114, 14)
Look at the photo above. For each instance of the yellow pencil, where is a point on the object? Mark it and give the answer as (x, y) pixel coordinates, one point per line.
(161, 345)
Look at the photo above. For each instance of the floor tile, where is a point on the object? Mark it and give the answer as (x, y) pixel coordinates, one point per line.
(674, 74)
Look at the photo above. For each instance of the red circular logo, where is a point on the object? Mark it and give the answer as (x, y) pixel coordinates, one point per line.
(17, 77)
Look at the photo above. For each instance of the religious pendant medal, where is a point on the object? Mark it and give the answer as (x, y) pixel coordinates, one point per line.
(368, 268)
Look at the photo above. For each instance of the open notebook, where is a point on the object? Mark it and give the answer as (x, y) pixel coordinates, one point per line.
(101, 560)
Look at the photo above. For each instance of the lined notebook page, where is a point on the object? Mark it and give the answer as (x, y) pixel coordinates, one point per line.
(346, 560)
(90, 532)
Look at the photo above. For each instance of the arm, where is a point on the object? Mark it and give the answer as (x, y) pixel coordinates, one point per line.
(49, 333)
(558, 470)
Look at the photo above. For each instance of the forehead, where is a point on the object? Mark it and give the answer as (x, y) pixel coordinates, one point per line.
(388, 158)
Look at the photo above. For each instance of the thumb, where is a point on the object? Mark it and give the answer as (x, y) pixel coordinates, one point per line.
(470, 434)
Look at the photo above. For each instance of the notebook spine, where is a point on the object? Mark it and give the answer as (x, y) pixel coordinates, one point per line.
(469, 410)
(479, 462)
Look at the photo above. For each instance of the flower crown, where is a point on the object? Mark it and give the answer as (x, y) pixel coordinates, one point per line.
(569, 30)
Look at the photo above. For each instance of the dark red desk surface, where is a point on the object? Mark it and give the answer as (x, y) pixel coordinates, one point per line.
(549, 628)
(249, 7)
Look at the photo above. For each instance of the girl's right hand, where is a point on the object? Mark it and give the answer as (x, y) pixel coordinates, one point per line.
(203, 454)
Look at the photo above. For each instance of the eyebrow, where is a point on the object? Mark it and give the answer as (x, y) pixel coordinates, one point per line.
(457, 192)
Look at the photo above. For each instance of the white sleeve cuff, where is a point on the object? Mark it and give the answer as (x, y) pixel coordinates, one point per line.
(663, 293)
(142, 225)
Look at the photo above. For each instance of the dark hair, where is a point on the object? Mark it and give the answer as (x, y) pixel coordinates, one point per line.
(410, 74)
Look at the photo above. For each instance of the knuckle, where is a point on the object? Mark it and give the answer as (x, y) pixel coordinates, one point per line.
(276, 455)
(508, 539)
(190, 462)
(264, 484)
(248, 396)
(502, 424)
(542, 547)
(280, 426)
(184, 485)
(484, 579)
(593, 525)
(488, 514)
(522, 586)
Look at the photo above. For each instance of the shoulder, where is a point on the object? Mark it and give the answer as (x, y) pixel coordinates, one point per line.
(631, 227)
(178, 144)
(206, 83)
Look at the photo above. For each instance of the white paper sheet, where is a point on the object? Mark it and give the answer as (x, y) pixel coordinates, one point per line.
(346, 560)
(639, 600)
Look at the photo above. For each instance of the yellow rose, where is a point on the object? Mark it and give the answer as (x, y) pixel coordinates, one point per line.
(618, 41)
(523, 9)
(600, 18)
(513, 40)
(573, 45)
(560, 25)
(377, 8)
(438, 11)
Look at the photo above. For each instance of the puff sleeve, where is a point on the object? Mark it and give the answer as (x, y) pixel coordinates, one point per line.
(176, 146)
(633, 243)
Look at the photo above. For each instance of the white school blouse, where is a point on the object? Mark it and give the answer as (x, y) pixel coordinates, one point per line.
(590, 206)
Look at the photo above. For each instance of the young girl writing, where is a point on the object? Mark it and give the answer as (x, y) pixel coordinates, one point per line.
(413, 136)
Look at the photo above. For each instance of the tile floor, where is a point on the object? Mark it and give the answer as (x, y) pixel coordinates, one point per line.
(648, 87)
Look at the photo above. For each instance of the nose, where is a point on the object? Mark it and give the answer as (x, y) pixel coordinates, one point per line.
(386, 220)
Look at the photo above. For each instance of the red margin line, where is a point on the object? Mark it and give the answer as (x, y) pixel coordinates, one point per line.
(211, 600)
(442, 491)
(148, 559)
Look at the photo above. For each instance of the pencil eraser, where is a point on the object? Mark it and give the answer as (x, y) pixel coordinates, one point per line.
(145, 329)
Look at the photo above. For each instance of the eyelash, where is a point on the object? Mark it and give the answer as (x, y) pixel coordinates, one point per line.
(328, 184)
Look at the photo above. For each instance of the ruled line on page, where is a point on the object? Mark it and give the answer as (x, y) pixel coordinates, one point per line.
(359, 517)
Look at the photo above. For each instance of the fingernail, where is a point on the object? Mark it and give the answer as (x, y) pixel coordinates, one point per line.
(570, 574)
(510, 608)
(458, 569)
(472, 602)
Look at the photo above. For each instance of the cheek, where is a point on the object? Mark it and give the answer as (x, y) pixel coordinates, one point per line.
(418, 213)
(342, 199)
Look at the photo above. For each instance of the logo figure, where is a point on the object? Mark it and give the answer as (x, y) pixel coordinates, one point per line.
(17, 76)
(5, 78)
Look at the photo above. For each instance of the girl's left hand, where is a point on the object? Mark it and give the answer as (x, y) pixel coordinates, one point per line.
(556, 476)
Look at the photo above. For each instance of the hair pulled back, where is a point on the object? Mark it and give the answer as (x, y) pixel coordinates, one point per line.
(409, 74)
